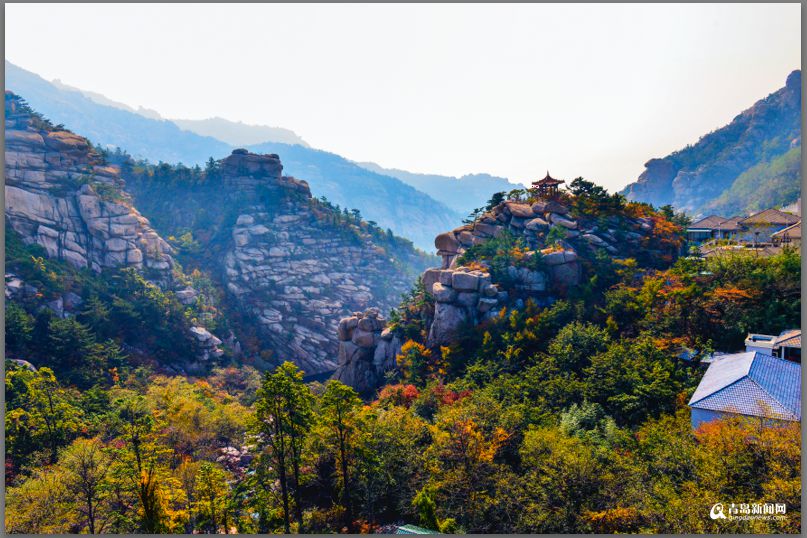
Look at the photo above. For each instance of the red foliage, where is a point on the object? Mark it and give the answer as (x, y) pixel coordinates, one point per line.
(399, 394)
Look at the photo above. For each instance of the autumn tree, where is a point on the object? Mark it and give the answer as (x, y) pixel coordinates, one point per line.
(283, 417)
(86, 464)
(341, 421)
(212, 492)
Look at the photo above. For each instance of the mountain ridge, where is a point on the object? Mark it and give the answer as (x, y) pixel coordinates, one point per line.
(273, 267)
(462, 194)
(697, 177)
(401, 208)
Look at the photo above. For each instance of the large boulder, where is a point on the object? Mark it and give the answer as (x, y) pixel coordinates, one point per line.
(443, 294)
(520, 210)
(448, 319)
(461, 281)
(447, 242)
(367, 350)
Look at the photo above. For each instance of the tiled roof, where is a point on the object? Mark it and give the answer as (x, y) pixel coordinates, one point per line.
(751, 384)
(711, 223)
(791, 338)
(771, 216)
(730, 224)
(793, 232)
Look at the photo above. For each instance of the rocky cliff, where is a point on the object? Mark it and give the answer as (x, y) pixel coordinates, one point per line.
(290, 265)
(696, 177)
(542, 250)
(61, 195)
(279, 267)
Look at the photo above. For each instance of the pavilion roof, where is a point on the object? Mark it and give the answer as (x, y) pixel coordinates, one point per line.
(548, 180)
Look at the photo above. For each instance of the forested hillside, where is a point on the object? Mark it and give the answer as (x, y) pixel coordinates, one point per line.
(561, 415)
(739, 168)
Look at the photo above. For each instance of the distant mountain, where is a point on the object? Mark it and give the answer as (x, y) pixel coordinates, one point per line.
(386, 200)
(750, 164)
(233, 132)
(240, 134)
(104, 100)
(111, 125)
(462, 194)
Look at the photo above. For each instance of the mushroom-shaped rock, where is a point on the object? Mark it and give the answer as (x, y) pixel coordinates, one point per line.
(446, 242)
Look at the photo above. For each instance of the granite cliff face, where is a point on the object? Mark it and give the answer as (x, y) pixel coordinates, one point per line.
(290, 265)
(282, 267)
(694, 178)
(390, 202)
(60, 195)
(297, 273)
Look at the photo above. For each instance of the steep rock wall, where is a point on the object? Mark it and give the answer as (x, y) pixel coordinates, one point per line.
(291, 265)
(60, 195)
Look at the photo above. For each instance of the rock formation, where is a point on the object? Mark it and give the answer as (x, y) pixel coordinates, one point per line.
(60, 195)
(461, 296)
(294, 272)
(464, 296)
(290, 265)
(367, 350)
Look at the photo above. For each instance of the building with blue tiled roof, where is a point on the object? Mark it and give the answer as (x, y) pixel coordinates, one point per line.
(752, 384)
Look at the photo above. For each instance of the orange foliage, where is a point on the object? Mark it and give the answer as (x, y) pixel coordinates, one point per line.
(399, 394)
(734, 294)
(615, 520)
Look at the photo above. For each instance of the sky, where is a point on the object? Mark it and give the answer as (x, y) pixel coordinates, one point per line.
(512, 90)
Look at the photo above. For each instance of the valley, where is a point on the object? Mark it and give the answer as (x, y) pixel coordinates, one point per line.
(261, 340)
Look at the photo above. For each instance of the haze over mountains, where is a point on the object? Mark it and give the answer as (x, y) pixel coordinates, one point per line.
(748, 165)
(388, 200)
(461, 194)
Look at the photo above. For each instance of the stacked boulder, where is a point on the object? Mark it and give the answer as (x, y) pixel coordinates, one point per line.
(533, 222)
(367, 350)
(461, 296)
(529, 221)
(207, 343)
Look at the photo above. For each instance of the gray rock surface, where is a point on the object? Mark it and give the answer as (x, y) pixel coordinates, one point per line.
(365, 356)
(60, 195)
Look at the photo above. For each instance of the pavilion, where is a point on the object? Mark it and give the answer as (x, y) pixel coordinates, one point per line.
(548, 186)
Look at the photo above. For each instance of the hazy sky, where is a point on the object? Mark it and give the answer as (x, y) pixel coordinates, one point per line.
(513, 90)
